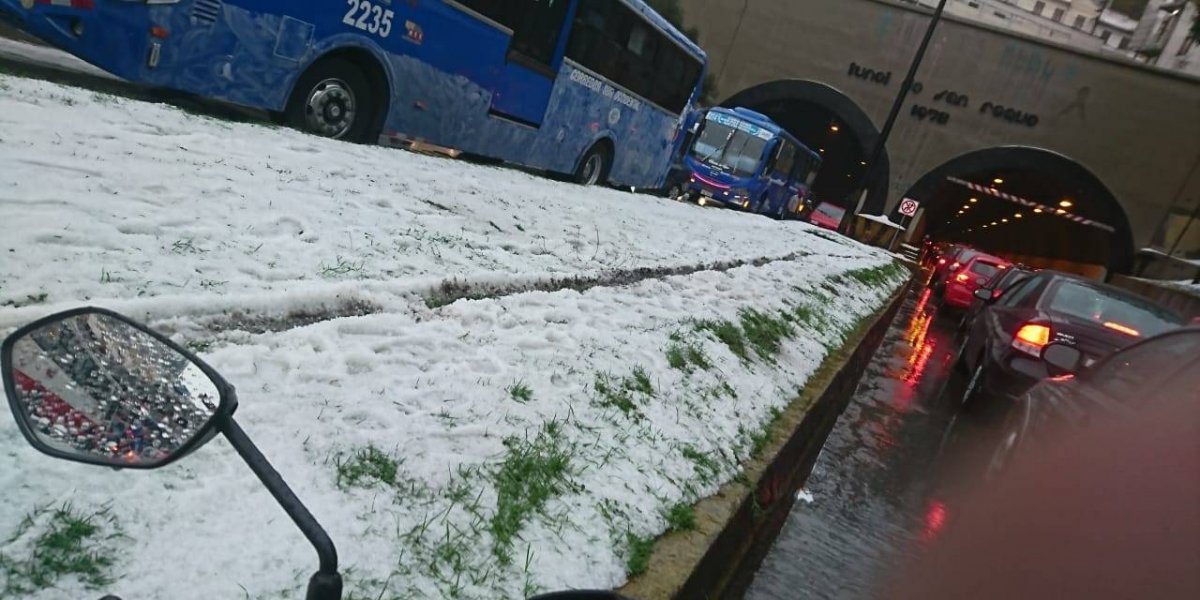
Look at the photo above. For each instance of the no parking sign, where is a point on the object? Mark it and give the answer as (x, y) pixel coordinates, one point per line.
(908, 207)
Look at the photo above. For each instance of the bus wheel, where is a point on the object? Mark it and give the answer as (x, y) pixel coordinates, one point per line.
(332, 99)
(593, 169)
(676, 192)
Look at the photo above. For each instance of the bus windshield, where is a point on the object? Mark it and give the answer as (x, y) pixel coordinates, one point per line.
(723, 146)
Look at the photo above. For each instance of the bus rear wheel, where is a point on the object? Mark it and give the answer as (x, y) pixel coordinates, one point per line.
(593, 168)
(332, 99)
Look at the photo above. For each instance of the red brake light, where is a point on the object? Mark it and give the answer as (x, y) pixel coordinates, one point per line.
(941, 261)
(1031, 338)
(1123, 329)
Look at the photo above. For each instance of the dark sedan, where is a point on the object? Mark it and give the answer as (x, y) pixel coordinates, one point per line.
(999, 283)
(1165, 367)
(1003, 349)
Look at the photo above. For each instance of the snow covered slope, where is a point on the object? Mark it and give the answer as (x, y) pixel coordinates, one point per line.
(478, 448)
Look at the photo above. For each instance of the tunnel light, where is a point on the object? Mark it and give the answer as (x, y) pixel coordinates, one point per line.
(1066, 204)
(1003, 220)
(1060, 212)
(834, 128)
(998, 181)
(974, 200)
(821, 150)
(1037, 210)
(985, 226)
(862, 162)
(1018, 216)
(994, 223)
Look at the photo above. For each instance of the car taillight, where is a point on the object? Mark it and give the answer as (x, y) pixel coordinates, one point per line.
(1031, 338)
(962, 277)
(1123, 329)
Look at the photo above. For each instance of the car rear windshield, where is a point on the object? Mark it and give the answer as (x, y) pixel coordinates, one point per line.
(1111, 309)
(985, 268)
(964, 254)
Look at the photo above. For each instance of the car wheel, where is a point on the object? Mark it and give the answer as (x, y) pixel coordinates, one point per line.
(332, 99)
(593, 167)
(974, 390)
(1001, 456)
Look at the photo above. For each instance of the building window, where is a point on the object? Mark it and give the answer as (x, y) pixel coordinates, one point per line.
(1124, 44)
(1104, 35)
(1039, 7)
(1080, 21)
(1058, 14)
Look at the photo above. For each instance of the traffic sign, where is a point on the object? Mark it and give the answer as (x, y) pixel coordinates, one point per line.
(908, 207)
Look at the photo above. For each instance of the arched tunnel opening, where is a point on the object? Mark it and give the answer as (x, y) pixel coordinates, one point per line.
(831, 124)
(1028, 205)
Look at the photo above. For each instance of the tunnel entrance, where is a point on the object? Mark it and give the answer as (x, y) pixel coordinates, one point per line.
(1028, 205)
(830, 123)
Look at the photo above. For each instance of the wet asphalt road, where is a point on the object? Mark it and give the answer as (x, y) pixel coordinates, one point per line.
(882, 486)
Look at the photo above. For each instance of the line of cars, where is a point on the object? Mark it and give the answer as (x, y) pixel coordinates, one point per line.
(1043, 346)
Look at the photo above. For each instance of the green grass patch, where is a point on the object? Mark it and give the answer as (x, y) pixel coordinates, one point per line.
(877, 276)
(765, 333)
(707, 468)
(532, 472)
(366, 467)
(638, 551)
(61, 542)
(623, 393)
(727, 333)
(681, 517)
(687, 357)
(520, 392)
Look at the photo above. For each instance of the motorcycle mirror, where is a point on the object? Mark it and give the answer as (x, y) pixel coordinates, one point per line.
(91, 386)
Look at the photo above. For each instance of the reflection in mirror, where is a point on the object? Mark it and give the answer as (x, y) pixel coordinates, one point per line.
(95, 387)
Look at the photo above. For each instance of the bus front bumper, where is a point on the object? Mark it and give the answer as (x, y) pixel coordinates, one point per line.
(707, 196)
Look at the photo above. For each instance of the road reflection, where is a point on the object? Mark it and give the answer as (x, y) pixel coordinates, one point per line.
(873, 486)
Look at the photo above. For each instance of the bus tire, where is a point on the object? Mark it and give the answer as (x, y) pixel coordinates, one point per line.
(333, 99)
(594, 166)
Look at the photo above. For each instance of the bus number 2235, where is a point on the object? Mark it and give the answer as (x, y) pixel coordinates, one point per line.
(369, 17)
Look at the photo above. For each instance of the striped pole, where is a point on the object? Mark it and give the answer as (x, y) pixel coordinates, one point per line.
(1051, 210)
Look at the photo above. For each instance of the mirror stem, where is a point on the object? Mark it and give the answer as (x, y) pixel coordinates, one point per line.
(295, 509)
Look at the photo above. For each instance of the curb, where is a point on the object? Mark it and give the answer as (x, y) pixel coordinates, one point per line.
(737, 526)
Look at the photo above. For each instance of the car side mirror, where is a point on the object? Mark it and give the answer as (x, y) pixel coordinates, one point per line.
(1063, 359)
(982, 294)
(91, 386)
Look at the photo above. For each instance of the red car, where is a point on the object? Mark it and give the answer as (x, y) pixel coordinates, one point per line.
(961, 283)
(827, 215)
(949, 262)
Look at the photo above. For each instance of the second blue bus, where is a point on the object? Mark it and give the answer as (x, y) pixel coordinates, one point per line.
(590, 88)
(742, 159)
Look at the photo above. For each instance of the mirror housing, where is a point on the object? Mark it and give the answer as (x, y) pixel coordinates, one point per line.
(91, 386)
(1062, 358)
(983, 294)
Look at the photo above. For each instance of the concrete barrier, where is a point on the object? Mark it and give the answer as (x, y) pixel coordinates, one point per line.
(1177, 298)
(736, 528)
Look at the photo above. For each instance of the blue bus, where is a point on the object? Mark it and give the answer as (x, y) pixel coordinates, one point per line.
(741, 159)
(591, 88)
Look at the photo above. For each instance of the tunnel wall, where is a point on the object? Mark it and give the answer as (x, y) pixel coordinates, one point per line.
(1137, 128)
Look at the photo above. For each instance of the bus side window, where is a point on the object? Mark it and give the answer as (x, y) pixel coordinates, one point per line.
(536, 25)
(787, 158)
